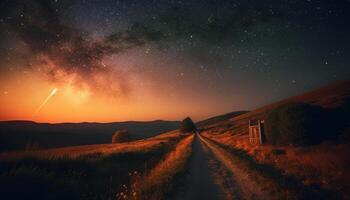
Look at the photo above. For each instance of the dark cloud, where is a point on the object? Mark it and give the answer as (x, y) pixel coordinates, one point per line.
(68, 52)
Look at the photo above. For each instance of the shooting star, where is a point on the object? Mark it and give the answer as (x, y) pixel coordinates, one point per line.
(46, 100)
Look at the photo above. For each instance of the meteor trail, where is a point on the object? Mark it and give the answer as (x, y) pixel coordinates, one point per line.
(46, 100)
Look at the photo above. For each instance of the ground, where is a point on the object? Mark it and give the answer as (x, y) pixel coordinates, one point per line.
(170, 166)
(216, 163)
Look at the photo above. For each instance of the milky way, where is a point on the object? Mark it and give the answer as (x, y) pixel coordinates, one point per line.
(231, 53)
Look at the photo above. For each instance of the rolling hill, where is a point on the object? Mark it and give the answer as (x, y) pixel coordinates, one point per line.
(16, 135)
(336, 95)
(219, 118)
(324, 164)
(333, 97)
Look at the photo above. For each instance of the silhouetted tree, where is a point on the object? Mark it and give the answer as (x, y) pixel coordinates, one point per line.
(120, 136)
(187, 125)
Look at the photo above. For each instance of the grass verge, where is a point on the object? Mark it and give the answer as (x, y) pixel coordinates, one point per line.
(89, 176)
(161, 180)
(274, 180)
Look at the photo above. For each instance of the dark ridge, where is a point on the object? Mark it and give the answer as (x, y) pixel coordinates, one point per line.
(219, 118)
(17, 135)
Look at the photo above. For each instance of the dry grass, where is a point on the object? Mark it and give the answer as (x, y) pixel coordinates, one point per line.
(85, 172)
(274, 180)
(103, 149)
(160, 180)
(325, 165)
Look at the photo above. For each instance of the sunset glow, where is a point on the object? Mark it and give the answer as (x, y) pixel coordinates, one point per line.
(30, 97)
(160, 63)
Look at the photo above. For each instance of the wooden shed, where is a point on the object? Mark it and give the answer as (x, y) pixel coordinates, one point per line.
(256, 131)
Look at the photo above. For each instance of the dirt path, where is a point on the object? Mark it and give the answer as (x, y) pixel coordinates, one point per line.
(218, 173)
(245, 185)
(199, 183)
(214, 175)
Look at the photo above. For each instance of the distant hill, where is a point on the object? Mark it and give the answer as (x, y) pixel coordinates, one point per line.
(16, 135)
(219, 118)
(335, 96)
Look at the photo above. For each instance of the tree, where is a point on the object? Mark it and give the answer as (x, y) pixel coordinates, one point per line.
(120, 136)
(187, 125)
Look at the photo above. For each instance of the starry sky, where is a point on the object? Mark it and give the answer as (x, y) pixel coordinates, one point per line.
(117, 60)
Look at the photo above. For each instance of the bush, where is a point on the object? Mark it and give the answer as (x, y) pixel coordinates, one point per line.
(121, 136)
(187, 125)
(296, 124)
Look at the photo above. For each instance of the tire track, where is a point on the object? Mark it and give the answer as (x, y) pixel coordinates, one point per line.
(248, 187)
(223, 177)
(199, 183)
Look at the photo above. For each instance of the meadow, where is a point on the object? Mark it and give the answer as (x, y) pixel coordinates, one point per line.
(85, 172)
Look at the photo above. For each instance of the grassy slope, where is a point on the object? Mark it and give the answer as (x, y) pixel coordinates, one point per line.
(219, 118)
(324, 164)
(83, 172)
(330, 96)
(161, 180)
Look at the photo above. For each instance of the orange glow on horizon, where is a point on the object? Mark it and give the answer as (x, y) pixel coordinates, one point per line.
(22, 99)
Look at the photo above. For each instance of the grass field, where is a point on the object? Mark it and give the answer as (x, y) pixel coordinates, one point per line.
(84, 172)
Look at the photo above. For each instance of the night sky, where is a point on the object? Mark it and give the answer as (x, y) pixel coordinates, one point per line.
(144, 60)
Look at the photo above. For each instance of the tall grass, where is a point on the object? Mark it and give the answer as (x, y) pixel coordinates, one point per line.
(160, 181)
(273, 179)
(90, 176)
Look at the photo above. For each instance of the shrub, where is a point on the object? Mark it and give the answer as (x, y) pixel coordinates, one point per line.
(296, 124)
(121, 136)
(187, 125)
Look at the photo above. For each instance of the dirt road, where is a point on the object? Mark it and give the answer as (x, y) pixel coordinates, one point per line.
(213, 175)
(199, 181)
(245, 186)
